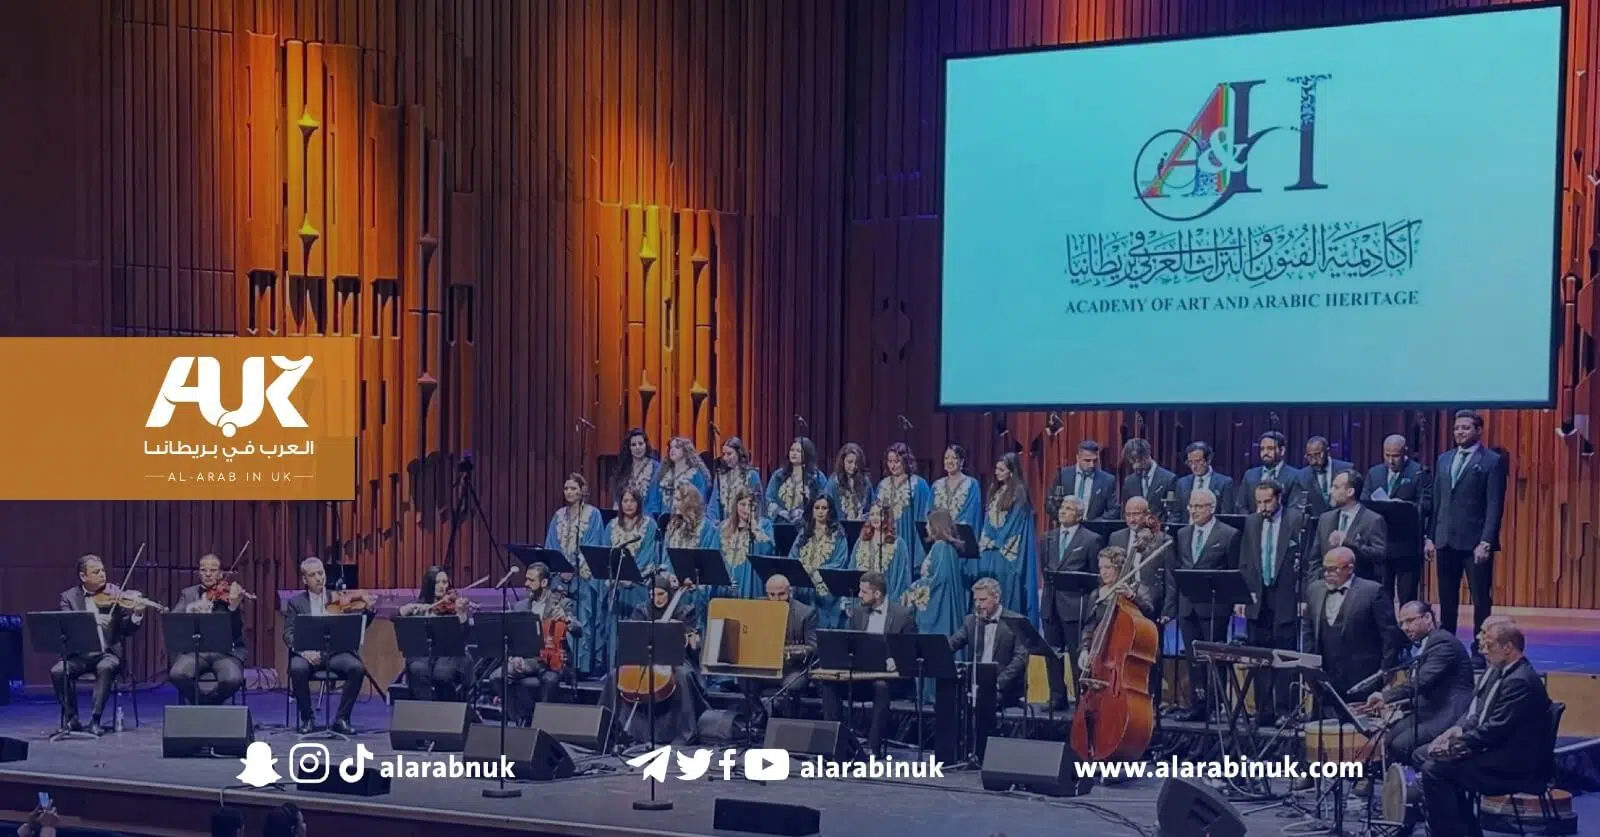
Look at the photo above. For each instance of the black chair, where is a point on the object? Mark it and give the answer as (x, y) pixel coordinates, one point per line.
(1533, 785)
(121, 685)
(326, 680)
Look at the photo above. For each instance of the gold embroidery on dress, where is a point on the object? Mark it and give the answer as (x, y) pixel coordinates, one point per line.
(792, 492)
(869, 556)
(569, 533)
(896, 496)
(639, 478)
(918, 596)
(728, 486)
(850, 505)
(682, 537)
(736, 548)
(813, 555)
(997, 518)
(950, 493)
(621, 533)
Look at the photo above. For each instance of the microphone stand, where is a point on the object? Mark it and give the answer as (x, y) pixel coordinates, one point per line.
(618, 553)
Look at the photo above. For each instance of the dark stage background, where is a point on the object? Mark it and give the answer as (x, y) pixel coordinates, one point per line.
(699, 216)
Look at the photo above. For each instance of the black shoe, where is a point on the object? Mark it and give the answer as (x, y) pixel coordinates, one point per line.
(342, 726)
(97, 728)
(307, 726)
(72, 725)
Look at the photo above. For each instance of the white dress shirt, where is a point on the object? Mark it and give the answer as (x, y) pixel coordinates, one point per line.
(1203, 534)
(319, 602)
(878, 619)
(987, 630)
(1335, 602)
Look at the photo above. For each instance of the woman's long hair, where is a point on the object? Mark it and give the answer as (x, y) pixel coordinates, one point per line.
(885, 533)
(808, 461)
(737, 445)
(625, 455)
(731, 523)
(691, 457)
(908, 462)
(858, 483)
(687, 498)
(430, 577)
(1014, 490)
(942, 527)
(810, 528)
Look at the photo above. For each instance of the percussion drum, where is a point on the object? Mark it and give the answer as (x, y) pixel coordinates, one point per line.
(1402, 798)
(1333, 741)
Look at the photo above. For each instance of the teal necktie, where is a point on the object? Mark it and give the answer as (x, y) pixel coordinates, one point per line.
(1269, 551)
(1344, 521)
(1199, 542)
(1461, 463)
(1394, 482)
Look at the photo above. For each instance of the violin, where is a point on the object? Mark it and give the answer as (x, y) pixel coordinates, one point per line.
(554, 631)
(350, 601)
(112, 596)
(453, 603)
(225, 587)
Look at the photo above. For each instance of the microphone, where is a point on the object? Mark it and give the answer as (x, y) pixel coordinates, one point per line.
(583, 422)
(905, 423)
(1373, 679)
(800, 421)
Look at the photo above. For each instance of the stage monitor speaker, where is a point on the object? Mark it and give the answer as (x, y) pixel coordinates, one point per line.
(191, 731)
(535, 754)
(817, 738)
(588, 727)
(371, 782)
(1189, 809)
(1043, 767)
(765, 818)
(13, 749)
(435, 726)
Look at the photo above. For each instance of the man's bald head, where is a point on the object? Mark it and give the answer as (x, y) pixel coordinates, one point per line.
(1394, 451)
(777, 588)
(1338, 566)
(1136, 508)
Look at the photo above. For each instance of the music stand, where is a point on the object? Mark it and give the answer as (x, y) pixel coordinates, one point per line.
(852, 530)
(1082, 584)
(968, 548)
(846, 584)
(648, 645)
(326, 636)
(431, 637)
(1224, 588)
(929, 655)
(196, 634)
(852, 651)
(62, 634)
(552, 558)
(1404, 519)
(784, 535)
(517, 634)
(790, 568)
(613, 564)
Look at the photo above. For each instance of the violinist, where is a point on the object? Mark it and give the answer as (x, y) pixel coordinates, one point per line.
(679, 715)
(437, 678)
(317, 600)
(118, 618)
(534, 680)
(214, 594)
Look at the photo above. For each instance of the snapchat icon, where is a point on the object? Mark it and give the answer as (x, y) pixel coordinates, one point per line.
(258, 763)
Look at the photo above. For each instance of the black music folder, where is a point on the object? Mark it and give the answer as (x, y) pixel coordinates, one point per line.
(969, 538)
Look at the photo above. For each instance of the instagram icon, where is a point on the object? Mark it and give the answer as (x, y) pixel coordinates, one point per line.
(309, 764)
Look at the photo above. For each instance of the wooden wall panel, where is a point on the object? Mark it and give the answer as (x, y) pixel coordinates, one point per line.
(548, 222)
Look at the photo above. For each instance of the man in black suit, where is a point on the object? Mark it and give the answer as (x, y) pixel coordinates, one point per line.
(1157, 485)
(1469, 488)
(799, 649)
(313, 601)
(992, 642)
(1201, 475)
(1273, 540)
(228, 669)
(1505, 736)
(1068, 548)
(1206, 543)
(1351, 524)
(1316, 479)
(1439, 685)
(1096, 489)
(873, 615)
(1401, 478)
(1273, 449)
(116, 623)
(1352, 624)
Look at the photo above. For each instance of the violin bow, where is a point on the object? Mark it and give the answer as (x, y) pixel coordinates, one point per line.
(133, 566)
(1143, 560)
(240, 556)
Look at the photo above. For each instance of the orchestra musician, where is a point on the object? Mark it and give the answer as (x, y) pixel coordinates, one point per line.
(1468, 500)
(1067, 548)
(439, 678)
(993, 642)
(1352, 624)
(873, 615)
(1112, 564)
(799, 651)
(1348, 523)
(1144, 535)
(117, 620)
(1272, 448)
(1316, 479)
(533, 680)
(1400, 478)
(1094, 488)
(1505, 736)
(1149, 480)
(214, 594)
(317, 600)
(1206, 543)
(1439, 685)
(1267, 556)
(679, 717)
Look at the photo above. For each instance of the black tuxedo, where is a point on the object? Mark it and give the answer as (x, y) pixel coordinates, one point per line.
(105, 664)
(1218, 483)
(1063, 611)
(1314, 486)
(1198, 619)
(1010, 656)
(1367, 536)
(1102, 503)
(897, 620)
(1362, 640)
(1439, 686)
(343, 665)
(1288, 476)
(1402, 573)
(1508, 739)
(1467, 511)
(1163, 484)
(1272, 615)
(228, 668)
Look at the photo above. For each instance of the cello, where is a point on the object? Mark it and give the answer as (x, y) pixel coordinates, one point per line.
(643, 684)
(1115, 716)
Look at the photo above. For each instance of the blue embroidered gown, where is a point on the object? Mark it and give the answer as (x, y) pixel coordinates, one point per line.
(852, 505)
(646, 554)
(703, 537)
(909, 501)
(789, 490)
(727, 486)
(567, 532)
(668, 486)
(893, 562)
(1008, 554)
(962, 497)
(939, 598)
(737, 547)
(830, 551)
(643, 477)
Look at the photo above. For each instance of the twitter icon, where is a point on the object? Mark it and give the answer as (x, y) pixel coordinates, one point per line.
(692, 767)
(258, 762)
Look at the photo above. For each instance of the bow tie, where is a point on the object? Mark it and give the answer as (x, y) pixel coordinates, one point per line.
(993, 620)
(1339, 592)
(877, 611)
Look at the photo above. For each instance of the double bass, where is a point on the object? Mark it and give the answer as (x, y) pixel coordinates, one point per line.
(1115, 717)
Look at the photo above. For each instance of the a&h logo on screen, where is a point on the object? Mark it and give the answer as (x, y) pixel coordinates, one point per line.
(1186, 174)
(207, 393)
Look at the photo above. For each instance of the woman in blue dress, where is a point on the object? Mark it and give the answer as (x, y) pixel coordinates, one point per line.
(822, 544)
(638, 466)
(792, 487)
(735, 475)
(683, 467)
(573, 525)
(850, 484)
(958, 493)
(689, 529)
(631, 525)
(743, 534)
(880, 550)
(939, 597)
(907, 497)
(1006, 549)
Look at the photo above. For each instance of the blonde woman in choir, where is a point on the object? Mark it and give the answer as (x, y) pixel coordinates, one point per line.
(743, 534)
(850, 484)
(735, 474)
(573, 525)
(684, 467)
(689, 529)
(1006, 546)
(958, 493)
(791, 488)
(880, 550)
(822, 544)
(638, 467)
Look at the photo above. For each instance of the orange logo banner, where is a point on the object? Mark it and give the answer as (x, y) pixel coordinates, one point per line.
(180, 418)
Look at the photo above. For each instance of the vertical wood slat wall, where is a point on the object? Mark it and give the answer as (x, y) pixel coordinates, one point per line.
(549, 222)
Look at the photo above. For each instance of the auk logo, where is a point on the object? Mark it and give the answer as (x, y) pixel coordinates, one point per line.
(1187, 174)
(759, 765)
(207, 393)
